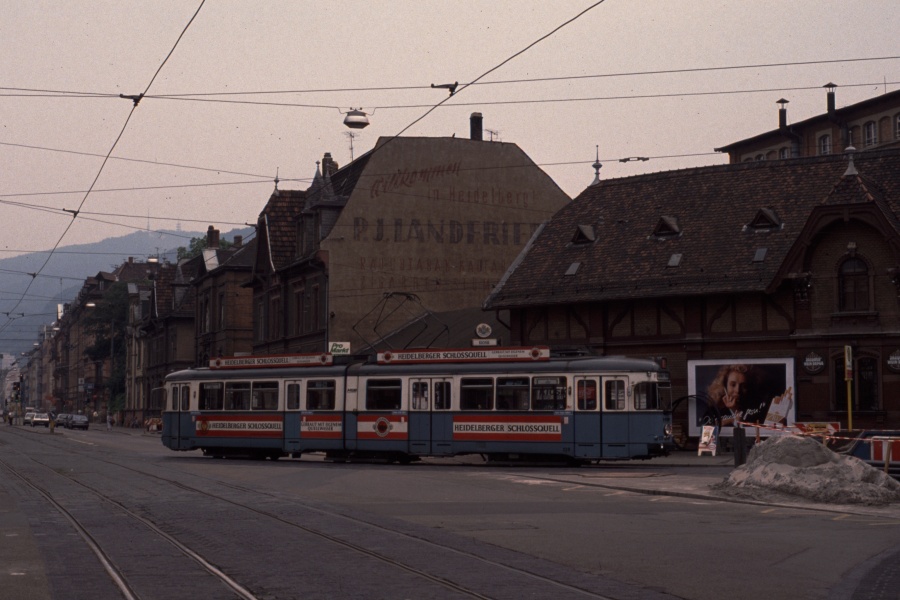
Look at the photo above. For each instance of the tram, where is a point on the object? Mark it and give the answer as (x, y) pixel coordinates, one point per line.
(502, 403)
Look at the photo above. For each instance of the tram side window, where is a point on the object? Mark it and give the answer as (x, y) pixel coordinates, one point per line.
(383, 394)
(615, 394)
(211, 397)
(174, 396)
(265, 395)
(548, 393)
(293, 396)
(320, 394)
(185, 397)
(646, 396)
(237, 396)
(476, 393)
(441, 395)
(512, 393)
(587, 395)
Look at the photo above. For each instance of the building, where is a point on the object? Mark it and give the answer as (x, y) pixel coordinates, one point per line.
(224, 317)
(782, 265)
(415, 227)
(871, 124)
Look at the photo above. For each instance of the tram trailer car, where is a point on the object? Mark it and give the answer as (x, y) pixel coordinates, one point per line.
(505, 404)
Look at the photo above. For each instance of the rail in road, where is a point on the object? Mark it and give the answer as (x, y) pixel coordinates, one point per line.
(235, 542)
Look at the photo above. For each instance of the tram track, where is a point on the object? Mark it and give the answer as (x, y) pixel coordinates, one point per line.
(247, 502)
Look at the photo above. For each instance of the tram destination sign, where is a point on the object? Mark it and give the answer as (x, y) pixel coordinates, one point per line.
(398, 357)
(273, 361)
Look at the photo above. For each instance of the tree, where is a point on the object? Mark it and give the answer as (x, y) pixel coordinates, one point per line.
(198, 245)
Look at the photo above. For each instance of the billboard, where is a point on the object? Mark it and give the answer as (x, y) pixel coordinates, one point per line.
(754, 390)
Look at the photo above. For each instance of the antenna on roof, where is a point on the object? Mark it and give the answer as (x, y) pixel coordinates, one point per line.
(351, 135)
(493, 132)
(276, 179)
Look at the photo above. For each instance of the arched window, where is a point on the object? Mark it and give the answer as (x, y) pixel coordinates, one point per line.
(783, 153)
(825, 144)
(853, 281)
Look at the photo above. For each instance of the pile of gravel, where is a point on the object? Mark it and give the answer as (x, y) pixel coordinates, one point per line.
(793, 467)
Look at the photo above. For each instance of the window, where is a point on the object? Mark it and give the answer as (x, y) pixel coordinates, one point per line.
(237, 396)
(853, 282)
(292, 392)
(587, 395)
(265, 395)
(261, 320)
(185, 397)
(211, 397)
(825, 145)
(297, 308)
(897, 127)
(548, 393)
(441, 395)
(784, 153)
(870, 134)
(646, 396)
(864, 386)
(383, 394)
(512, 393)
(615, 394)
(476, 393)
(320, 394)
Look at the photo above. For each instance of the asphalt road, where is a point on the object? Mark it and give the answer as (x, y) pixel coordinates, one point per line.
(309, 529)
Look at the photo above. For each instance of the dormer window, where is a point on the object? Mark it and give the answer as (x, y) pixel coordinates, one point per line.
(765, 220)
(825, 144)
(667, 227)
(584, 234)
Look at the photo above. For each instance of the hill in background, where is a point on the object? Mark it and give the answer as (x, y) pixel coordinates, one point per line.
(63, 276)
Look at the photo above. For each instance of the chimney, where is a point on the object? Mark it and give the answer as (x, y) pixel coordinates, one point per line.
(329, 167)
(130, 260)
(212, 238)
(782, 114)
(475, 126)
(238, 241)
(830, 98)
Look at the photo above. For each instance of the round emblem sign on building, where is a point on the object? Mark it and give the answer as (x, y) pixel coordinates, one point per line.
(813, 363)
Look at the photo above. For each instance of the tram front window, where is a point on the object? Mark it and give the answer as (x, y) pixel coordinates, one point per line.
(646, 396)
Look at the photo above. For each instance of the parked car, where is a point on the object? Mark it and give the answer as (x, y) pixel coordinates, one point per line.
(42, 419)
(28, 417)
(61, 419)
(77, 422)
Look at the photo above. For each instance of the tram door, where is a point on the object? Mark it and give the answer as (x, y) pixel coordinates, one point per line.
(616, 417)
(430, 421)
(179, 423)
(587, 417)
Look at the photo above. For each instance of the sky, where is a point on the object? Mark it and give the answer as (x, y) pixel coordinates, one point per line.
(212, 158)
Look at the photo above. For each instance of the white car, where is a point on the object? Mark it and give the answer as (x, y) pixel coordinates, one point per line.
(29, 417)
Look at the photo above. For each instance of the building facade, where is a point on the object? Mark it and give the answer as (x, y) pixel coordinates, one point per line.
(791, 267)
(867, 125)
(415, 226)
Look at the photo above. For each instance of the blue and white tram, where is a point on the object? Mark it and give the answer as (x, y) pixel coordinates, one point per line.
(504, 403)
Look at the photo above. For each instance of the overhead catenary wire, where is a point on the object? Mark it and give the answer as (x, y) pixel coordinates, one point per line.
(105, 160)
(39, 92)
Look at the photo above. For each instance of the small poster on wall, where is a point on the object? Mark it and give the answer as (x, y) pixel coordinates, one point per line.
(741, 390)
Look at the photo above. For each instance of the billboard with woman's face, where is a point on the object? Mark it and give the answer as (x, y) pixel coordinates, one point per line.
(754, 390)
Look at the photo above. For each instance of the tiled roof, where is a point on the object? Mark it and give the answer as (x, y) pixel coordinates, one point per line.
(277, 226)
(713, 249)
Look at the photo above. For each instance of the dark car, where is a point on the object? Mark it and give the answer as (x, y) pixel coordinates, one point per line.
(77, 422)
(61, 419)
